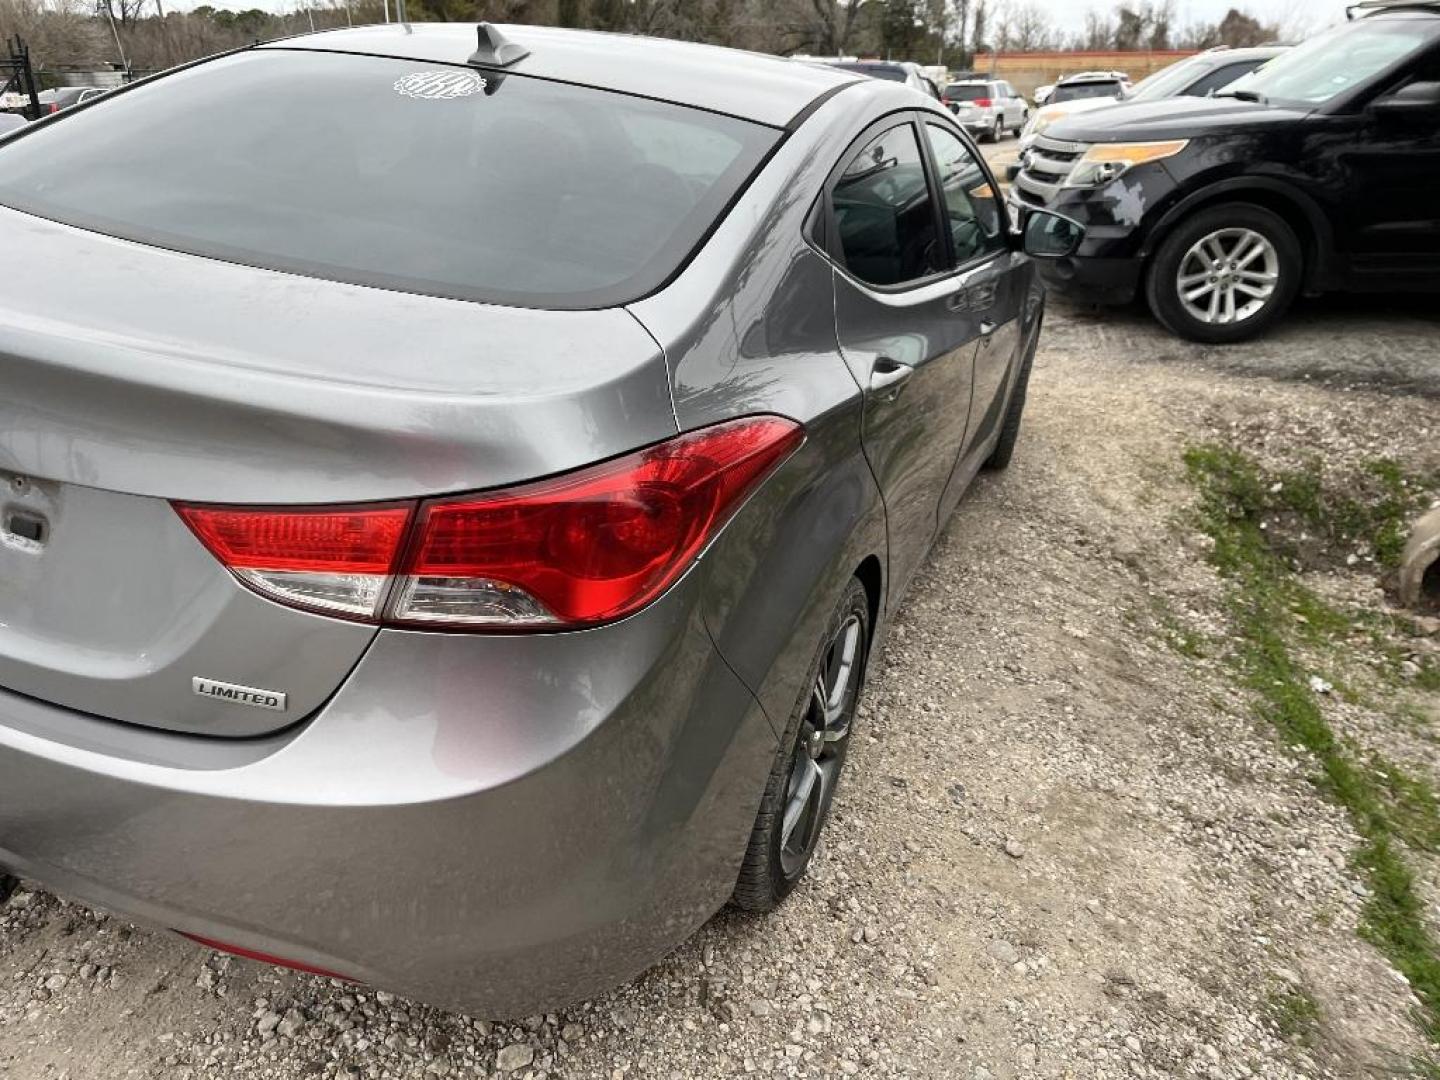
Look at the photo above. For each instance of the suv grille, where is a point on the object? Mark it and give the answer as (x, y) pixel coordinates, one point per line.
(1049, 163)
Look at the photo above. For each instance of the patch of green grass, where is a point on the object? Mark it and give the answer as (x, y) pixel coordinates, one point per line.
(1414, 810)
(1387, 808)
(1296, 1015)
(1373, 508)
(1185, 641)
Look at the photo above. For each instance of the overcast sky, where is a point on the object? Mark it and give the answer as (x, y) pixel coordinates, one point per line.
(1291, 14)
(1294, 16)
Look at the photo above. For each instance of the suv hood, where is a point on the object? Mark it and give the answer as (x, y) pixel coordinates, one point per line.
(1173, 118)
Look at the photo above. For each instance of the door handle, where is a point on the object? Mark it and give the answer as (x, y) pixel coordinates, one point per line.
(987, 328)
(888, 376)
(974, 298)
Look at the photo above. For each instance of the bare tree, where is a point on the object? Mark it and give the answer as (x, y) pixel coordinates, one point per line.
(1025, 27)
(57, 31)
(123, 12)
(1098, 34)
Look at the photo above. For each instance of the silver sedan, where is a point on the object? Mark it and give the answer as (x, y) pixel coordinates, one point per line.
(444, 533)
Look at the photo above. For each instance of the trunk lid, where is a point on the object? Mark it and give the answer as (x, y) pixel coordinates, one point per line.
(131, 376)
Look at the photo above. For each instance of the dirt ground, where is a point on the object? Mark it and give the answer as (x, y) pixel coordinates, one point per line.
(1063, 847)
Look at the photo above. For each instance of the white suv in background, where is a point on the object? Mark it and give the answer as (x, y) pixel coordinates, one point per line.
(987, 107)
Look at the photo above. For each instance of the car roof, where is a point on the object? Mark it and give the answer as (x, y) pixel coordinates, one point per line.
(766, 89)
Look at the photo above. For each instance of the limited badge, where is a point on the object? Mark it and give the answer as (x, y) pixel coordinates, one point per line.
(440, 85)
(254, 696)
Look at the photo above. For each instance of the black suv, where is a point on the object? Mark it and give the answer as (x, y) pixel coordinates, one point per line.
(1319, 172)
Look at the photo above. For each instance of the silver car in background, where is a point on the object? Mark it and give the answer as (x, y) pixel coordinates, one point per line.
(444, 547)
(987, 108)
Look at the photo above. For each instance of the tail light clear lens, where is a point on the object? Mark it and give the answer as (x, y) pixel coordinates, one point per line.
(578, 550)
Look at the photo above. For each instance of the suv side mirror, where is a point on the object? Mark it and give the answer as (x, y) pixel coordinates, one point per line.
(1418, 101)
(1048, 235)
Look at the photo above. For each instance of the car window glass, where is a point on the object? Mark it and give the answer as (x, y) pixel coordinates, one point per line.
(397, 173)
(972, 210)
(1080, 91)
(1220, 78)
(967, 91)
(884, 216)
(1329, 65)
(1170, 80)
(891, 72)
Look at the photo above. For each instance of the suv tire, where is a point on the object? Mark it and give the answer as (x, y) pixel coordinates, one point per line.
(1244, 266)
(998, 131)
(772, 868)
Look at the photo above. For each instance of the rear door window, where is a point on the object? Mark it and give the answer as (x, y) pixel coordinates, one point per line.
(885, 219)
(401, 174)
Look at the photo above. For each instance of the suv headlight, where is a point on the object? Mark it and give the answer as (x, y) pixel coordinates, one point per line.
(1105, 162)
(1039, 122)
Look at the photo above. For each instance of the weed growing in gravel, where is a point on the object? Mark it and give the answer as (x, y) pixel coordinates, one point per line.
(1296, 1015)
(1185, 641)
(1387, 808)
(1375, 507)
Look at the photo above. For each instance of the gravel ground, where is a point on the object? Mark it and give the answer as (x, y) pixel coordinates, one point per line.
(1062, 847)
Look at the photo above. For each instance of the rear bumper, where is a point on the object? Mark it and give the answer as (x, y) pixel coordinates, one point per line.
(492, 824)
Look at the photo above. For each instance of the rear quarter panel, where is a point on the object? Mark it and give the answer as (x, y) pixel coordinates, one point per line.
(749, 328)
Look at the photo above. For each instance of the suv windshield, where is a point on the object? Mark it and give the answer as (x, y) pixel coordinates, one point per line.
(1077, 91)
(396, 173)
(1329, 65)
(968, 92)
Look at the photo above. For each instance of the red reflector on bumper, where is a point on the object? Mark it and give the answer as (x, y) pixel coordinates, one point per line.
(251, 954)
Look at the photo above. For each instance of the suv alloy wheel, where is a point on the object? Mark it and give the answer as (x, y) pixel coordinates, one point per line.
(1225, 275)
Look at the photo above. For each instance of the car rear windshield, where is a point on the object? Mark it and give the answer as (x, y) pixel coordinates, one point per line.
(1077, 91)
(893, 72)
(968, 92)
(395, 173)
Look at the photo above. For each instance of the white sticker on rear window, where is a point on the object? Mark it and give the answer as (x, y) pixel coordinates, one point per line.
(440, 85)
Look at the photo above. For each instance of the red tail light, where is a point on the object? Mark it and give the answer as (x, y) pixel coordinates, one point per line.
(582, 549)
(984, 102)
(333, 559)
(251, 954)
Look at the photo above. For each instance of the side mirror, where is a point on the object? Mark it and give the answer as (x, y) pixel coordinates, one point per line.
(1418, 101)
(1048, 235)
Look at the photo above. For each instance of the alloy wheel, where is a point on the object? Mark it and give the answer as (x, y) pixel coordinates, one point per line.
(1228, 276)
(820, 748)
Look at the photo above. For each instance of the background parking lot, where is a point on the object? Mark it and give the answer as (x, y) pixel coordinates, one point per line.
(1065, 848)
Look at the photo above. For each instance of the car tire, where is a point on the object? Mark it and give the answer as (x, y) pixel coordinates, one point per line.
(1246, 294)
(792, 817)
(997, 133)
(1010, 427)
